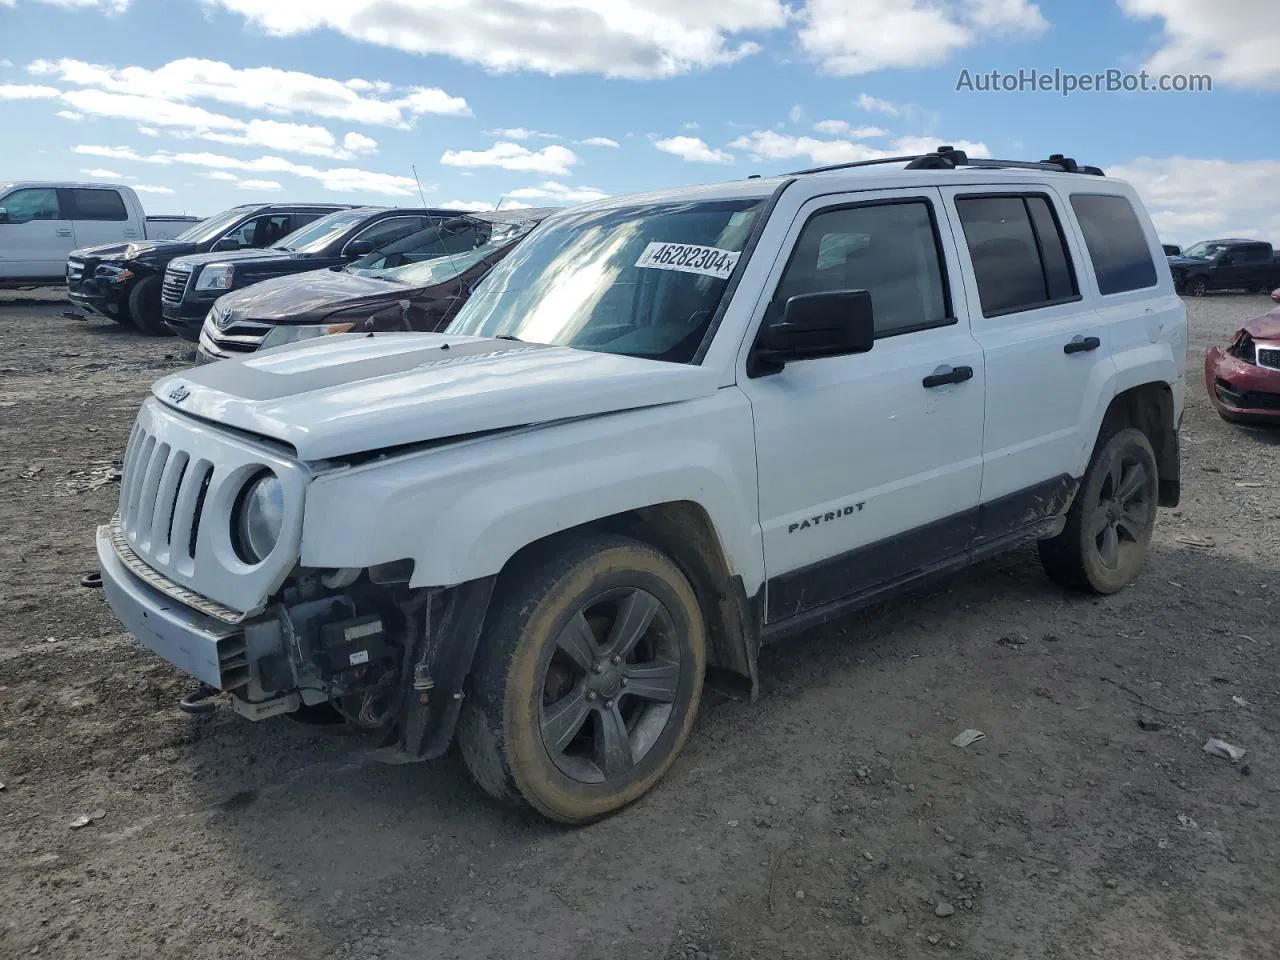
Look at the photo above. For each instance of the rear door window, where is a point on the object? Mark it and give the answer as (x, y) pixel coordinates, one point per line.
(1020, 258)
(1116, 241)
(102, 205)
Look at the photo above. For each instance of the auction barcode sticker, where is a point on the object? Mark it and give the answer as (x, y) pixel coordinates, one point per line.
(689, 258)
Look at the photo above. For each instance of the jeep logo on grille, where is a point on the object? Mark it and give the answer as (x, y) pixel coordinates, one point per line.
(179, 393)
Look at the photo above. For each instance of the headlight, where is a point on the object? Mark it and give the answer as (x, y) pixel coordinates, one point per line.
(216, 276)
(286, 333)
(259, 517)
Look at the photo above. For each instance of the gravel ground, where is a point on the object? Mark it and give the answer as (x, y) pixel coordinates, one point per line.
(831, 819)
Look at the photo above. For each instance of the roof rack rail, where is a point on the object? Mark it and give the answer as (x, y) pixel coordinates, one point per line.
(948, 158)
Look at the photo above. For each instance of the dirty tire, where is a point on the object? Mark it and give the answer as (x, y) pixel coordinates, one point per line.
(545, 660)
(1197, 287)
(144, 307)
(1104, 545)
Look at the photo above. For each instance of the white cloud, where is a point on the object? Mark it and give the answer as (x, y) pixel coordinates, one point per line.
(5, 63)
(1192, 199)
(693, 150)
(260, 88)
(149, 131)
(354, 143)
(767, 145)
(109, 7)
(466, 206)
(637, 39)
(520, 133)
(845, 129)
(559, 192)
(512, 156)
(600, 142)
(100, 174)
(859, 36)
(69, 115)
(26, 91)
(338, 180)
(151, 188)
(875, 105)
(1233, 40)
(691, 125)
(259, 185)
(221, 175)
(796, 114)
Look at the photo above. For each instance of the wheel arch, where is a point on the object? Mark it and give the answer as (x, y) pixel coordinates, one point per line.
(1150, 408)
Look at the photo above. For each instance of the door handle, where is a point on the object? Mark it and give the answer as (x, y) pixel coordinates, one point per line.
(64, 233)
(1081, 344)
(947, 374)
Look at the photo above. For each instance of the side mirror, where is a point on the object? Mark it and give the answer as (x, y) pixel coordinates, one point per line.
(1275, 294)
(832, 323)
(226, 243)
(360, 248)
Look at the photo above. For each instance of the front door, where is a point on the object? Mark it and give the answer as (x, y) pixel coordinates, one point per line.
(1044, 346)
(869, 465)
(35, 235)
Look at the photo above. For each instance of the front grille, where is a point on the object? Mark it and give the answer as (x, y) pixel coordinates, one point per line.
(175, 284)
(239, 336)
(1269, 357)
(162, 493)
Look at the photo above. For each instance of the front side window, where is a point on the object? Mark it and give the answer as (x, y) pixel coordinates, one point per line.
(98, 205)
(643, 281)
(440, 253)
(261, 232)
(888, 249)
(318, 234)
(1116, 241)
(1019, 256)
(23, 206)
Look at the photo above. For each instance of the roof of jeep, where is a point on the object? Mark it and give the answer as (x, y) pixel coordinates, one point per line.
(856, 178)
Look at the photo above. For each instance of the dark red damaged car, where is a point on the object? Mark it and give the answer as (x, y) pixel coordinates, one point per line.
(1243, 378)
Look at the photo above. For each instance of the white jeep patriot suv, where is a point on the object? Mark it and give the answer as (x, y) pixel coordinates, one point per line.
(665, 430)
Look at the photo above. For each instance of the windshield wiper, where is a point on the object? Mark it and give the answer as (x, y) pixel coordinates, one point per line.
(506, 336)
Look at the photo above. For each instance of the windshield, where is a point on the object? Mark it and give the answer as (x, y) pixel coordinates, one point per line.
(440, 252)
(317, 235)
(641, 281)
(1203, 250)
(212, 228)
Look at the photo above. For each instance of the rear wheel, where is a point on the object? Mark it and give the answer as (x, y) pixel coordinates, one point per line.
(144, 307)
(1103, 546)
(587, 682)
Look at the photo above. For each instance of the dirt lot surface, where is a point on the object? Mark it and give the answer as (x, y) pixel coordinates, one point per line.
(833, 818)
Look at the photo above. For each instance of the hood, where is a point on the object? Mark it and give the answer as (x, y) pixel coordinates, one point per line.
(1265, 327)
(309, 297)
(353, 393)
(139, 250)
(243, 257)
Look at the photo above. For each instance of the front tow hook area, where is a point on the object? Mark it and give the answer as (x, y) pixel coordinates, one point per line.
(200, 701)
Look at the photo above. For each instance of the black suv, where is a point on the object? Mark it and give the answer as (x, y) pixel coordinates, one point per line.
(193, 283)
(121, 281)
(1225, 265)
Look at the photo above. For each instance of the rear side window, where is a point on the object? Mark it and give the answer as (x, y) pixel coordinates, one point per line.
(1116, 242)
(98, 205)
(888, 249)
(1019, 256)
(391, 229)
(1255, 254)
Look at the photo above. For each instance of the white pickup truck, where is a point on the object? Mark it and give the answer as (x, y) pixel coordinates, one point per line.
(665, 430)
(40, 223)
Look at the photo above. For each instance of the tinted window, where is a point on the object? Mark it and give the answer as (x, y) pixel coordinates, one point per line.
(393, 228)
(98, 205)
(1117, 244)
(261, 232)
(1019, 257)
(1254, 253)
(888, 249)
(23, 206)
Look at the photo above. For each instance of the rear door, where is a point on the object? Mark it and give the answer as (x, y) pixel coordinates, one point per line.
(100, 216)
(1043, 342)
(36, 234)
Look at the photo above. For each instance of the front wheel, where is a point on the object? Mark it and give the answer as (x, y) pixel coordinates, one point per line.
(1197, 287)
(587, 682)
(144, 307)
(1103, 546)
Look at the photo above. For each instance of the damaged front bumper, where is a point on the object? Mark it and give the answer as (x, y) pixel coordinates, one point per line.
(389, 659)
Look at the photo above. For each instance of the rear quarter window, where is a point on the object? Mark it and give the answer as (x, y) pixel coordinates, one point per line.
(1116, 242)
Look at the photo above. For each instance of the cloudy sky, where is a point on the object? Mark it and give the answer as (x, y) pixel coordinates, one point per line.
(200, 104)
